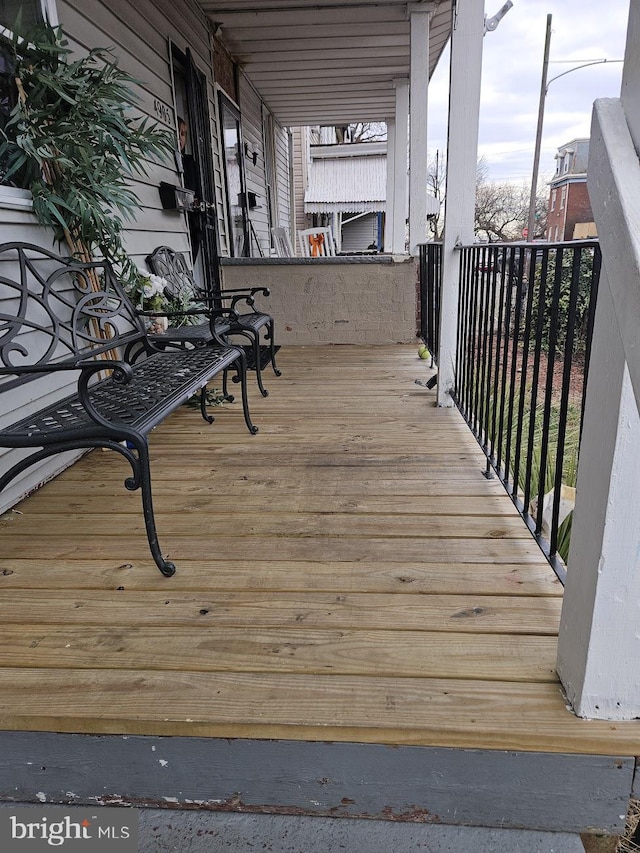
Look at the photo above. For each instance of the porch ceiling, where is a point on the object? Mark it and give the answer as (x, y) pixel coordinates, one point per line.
(325, 61)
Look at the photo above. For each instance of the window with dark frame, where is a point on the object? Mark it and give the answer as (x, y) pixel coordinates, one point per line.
(26, 14)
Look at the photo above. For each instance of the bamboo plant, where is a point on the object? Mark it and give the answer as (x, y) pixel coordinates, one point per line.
(73, 138)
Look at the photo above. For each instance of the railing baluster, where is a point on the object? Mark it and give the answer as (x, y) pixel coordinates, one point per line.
(499, 344)
(524, 361)
(463, 321)
(492, 357)
(482, 343)
(535, 379)
(502, 472)
(564, 399)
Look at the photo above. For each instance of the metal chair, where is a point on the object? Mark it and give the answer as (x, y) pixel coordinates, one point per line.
(181, 285)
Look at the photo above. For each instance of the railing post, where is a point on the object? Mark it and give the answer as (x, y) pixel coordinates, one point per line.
(599, 641)
(462, 155)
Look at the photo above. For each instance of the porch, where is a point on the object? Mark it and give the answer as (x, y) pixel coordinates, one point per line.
(347, 575)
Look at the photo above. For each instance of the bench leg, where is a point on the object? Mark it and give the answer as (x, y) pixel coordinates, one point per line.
(256, 353)
(272, 343)
(254, 340)
(142, 480)
(225, 392)
(241, 368)
(203, 406)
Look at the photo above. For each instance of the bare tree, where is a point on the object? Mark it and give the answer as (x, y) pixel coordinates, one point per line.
(436, 183)
(362, 131)
(502, 210)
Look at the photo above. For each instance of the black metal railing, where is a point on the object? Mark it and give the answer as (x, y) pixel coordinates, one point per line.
(430, 278)
(525, 321)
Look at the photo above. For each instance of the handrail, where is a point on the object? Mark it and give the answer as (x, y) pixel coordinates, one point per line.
(614, 171)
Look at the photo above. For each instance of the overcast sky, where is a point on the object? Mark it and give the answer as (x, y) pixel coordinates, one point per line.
(582, 30)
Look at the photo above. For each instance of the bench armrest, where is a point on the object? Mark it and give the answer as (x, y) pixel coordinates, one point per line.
(88, 367)
(193, 312)
(251, 291)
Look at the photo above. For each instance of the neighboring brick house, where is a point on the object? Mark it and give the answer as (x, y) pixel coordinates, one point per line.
(570, 216)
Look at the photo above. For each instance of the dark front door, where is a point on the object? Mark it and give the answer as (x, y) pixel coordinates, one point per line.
(198, 172)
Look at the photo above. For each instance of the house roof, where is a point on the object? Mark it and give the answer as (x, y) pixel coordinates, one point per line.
(325, 61)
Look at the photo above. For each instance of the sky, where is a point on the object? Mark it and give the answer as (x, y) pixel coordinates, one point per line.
(581, 30)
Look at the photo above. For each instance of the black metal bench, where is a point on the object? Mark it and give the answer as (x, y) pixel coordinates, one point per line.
(62, 318)
(181, 285)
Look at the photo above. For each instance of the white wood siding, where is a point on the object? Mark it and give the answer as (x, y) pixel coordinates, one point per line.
(300, 175)
(254, 128)
(358, 234)
(283, 178)
(251, 117)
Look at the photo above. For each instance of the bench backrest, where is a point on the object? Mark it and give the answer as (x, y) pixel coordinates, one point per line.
(172, 266)
(54, 310)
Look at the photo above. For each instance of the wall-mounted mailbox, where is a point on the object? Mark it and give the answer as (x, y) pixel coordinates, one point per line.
(176, 198)
(249, 198)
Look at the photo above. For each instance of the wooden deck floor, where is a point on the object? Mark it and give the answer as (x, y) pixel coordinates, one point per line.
(347, 574)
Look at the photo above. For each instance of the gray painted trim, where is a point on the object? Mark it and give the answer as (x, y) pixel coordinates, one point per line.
(167, 831)
(551, 792)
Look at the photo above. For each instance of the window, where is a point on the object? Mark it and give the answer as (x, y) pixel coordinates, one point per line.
(235, 181)
(31, 13)
(563, 197)
(553, 199)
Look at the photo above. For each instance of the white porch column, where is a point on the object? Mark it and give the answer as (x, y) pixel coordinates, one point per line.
(389, 203)
(599, 640)
(462, 156)
(418, 107)
(400, 200)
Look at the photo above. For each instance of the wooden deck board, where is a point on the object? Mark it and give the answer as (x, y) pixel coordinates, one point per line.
(347, 574)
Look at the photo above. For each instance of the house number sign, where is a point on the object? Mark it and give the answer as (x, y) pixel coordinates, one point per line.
(162, 111)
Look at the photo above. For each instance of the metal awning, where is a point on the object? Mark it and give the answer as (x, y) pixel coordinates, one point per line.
(347, 185)
(351, 184)
(325, 61)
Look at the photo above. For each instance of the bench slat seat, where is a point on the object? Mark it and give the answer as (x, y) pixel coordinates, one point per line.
(158, 386)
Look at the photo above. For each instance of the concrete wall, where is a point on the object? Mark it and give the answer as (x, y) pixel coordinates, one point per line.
(333, 300)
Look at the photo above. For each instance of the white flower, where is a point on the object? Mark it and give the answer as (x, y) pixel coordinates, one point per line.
(155, 287)
(159, 281)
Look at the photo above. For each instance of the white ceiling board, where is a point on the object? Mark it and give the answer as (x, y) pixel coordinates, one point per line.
(324, 61)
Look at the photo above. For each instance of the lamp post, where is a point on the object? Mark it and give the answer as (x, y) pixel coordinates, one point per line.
(544, 88)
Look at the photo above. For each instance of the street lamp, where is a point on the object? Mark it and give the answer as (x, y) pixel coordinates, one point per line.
(544, 88)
